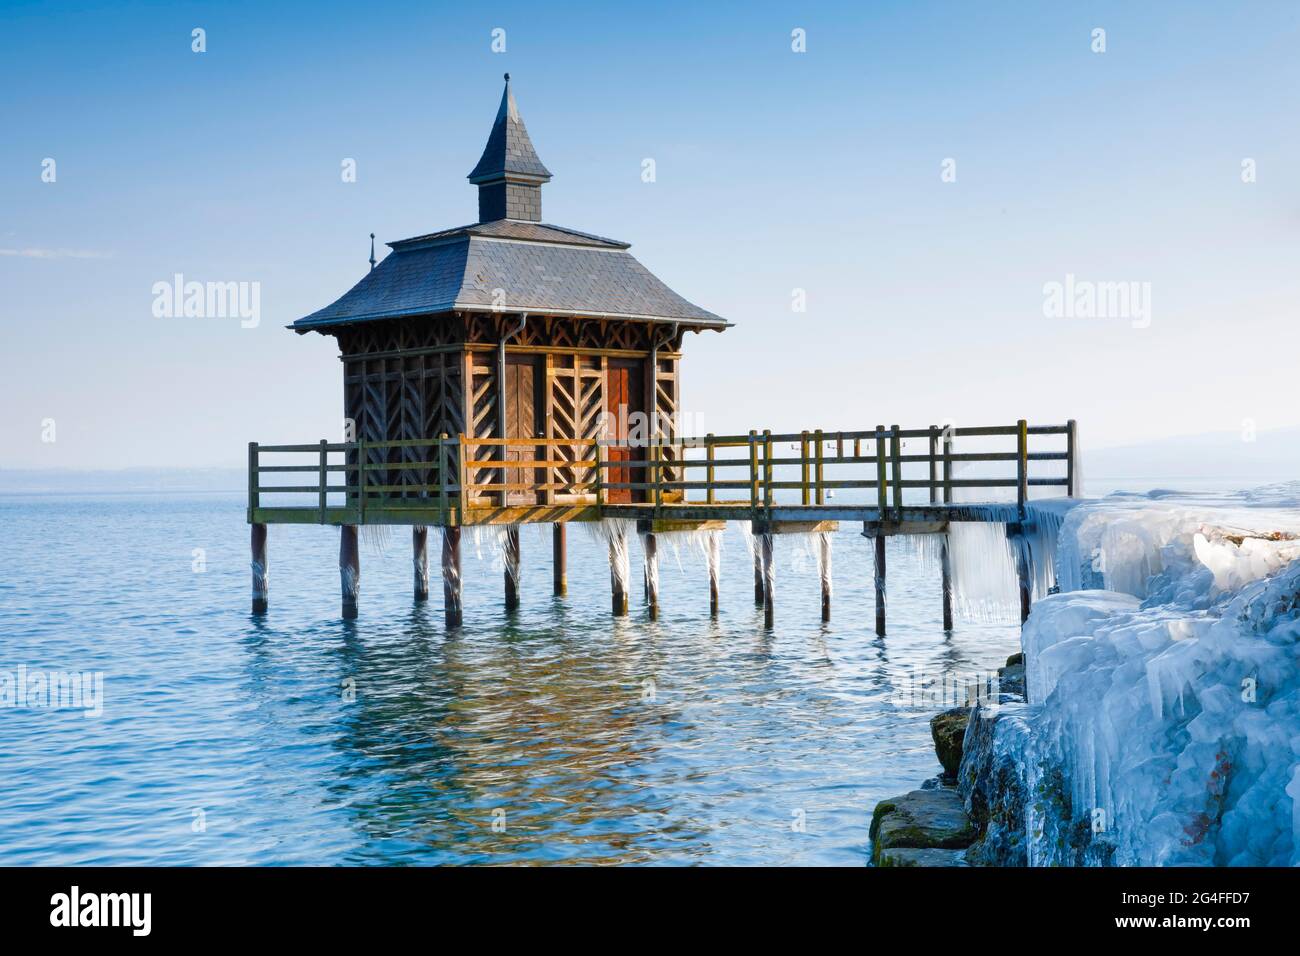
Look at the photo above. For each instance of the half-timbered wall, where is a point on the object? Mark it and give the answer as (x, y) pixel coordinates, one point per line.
(422, 377)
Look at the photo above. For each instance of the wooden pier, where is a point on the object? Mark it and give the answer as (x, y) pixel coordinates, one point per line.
(776, 483)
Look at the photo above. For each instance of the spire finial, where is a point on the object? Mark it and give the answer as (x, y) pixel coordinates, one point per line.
(372, 251)
(507, 77)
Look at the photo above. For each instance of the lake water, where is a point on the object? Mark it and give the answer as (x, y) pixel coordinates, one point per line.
(230, 739)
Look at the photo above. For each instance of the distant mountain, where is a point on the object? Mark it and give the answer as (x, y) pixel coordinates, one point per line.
(1272, 455)
(124, 480)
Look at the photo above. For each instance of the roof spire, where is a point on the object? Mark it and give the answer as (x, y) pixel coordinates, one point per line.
(372, 251)
(509, 175)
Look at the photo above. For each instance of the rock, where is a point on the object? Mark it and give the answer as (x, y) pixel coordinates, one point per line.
(1011, 679)
(906, 856)
(922, 819)
(948, 730)
(1016, 660)
(992, 783)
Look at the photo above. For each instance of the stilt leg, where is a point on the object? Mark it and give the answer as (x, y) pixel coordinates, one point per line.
(880, 584)
(945, 563)
(349, 569)
(758, 573)
(420, 560)
(652, 575)
(451, 585)
(769, 582)
(715, 562)
(618, 576)
(559, 555)
(1022, 573)
(512, 567)
(825, 553)
(258, 541)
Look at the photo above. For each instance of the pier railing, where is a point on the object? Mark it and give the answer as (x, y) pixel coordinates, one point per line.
(459, 480)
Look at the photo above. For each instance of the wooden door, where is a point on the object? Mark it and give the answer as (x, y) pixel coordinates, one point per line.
(624, 392)
(522, 403)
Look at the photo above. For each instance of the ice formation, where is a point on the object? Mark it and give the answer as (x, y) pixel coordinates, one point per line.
(1164, 685)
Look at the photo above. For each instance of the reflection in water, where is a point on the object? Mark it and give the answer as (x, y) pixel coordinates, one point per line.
(555, 734)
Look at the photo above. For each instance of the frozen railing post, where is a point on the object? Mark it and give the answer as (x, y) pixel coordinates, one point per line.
(258, 541)
(753, 504)
(511, 557)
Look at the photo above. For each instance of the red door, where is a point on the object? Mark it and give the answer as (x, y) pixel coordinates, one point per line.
(623, 399)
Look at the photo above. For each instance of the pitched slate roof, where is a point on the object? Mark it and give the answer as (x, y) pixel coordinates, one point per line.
(508, 264)
(461, 270)
(509, 152)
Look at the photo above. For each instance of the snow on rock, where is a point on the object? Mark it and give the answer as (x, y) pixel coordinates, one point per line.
(1164, 685)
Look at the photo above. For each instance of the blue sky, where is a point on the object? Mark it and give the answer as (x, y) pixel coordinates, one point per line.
(776, 171)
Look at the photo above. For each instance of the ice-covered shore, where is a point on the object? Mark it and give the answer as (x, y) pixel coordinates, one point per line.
(1163, 725)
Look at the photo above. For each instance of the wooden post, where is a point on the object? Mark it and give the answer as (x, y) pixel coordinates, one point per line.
(825, 545)
(753, 476)
(1072, 458)
(758, 573)
(709, 454)
(1022, 574)
(258, 541)
(805, 492)
(451, 582)
(767, 472)
(254, 480)
(1022, 466)
(714, 555)
(882, 483)
(617, 582)
(324, 471)
(349, 569)
(559, 559)
(420, 560)
(880, 582)
(511, 557)
(819, 473)
(947, 465)
(652, 575)
(945, 563)
(769, 581)
(934, 465)
(896, 452)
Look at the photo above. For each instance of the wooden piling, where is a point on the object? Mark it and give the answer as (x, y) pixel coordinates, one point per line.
(559, 559)
(769, 581)
(714, 562)
(349, 569)
(420, 561)
(945, 563)
(824, 543)
(258, 542)
(618, 587)
(1022, 574)
(451, 582)
(511, 557)
(880, 584)
(652, 575)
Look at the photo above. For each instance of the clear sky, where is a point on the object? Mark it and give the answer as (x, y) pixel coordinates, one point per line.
(775, 171)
